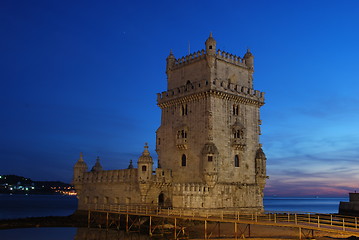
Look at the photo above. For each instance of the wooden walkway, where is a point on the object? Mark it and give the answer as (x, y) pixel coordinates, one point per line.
(156, 219)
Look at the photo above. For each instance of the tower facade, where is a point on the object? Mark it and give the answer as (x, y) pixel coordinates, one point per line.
(209, 154)
(210, 127)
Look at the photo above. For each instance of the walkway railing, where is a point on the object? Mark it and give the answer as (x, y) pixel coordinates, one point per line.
(314, 221)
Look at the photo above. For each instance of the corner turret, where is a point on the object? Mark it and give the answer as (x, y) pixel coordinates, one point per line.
(249, 59)
(97, 167)
(211, 45)
(170, 62)
(261, 174)
(79, 169)
(145, 164)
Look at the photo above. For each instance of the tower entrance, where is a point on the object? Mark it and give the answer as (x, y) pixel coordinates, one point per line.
(161, 200)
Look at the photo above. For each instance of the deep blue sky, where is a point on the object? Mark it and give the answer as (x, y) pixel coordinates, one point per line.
(82, 76)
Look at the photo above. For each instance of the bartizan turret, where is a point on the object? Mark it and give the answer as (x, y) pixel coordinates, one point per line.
(211, 53)
(79, 169)
(145, 164)
(260, 164)
(144, 168)
(97, 167)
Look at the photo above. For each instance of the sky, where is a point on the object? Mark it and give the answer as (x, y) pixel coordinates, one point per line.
(82, 76)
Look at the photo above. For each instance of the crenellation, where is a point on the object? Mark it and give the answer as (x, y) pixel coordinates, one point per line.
(204, 85)
(231, 58)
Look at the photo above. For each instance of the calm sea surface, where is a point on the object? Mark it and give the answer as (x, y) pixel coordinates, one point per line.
(19, 206)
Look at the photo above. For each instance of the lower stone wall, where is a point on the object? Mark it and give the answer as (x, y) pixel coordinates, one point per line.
(349, 208)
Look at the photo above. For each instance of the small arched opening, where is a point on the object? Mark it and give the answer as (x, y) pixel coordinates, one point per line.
(161, 200)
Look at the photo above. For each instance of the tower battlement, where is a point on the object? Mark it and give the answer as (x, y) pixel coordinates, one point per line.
(199, 55)
(190, 89)
(108, 176)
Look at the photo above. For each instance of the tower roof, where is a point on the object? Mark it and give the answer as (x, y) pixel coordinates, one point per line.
(81, 163)
(97, 166)
(145, 157)
(260, 154)
(248, 54)
(210, 43)
(130, 166)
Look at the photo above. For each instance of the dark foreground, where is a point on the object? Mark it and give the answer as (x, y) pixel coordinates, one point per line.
(78, 219)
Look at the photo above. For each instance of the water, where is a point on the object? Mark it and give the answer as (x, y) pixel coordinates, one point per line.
(38, 234)
(17, 206)
(21, 206)
(317, 205)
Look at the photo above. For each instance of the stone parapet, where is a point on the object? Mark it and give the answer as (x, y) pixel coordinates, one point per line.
(215, 86)
(199, 55)
(109, 176)
(191, 188)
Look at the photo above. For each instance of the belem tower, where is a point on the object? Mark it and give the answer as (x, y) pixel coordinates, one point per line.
(209, 154)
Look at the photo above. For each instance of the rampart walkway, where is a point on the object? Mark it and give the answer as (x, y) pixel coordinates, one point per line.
(157, 219)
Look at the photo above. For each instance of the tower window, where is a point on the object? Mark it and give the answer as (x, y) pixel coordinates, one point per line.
(210, 158)
(236, 161)
(210, 47)
(237, 134)
(144, 168)
(184, 110)
(235, 110)
(184, 160)
(181, 134)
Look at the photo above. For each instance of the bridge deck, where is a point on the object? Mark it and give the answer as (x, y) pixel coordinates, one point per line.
(337, 224)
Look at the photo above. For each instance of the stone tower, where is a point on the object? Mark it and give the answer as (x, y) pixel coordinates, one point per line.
(210, 127)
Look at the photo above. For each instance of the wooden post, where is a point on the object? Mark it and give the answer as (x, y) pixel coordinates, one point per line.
(295, 219)
(219, 229)
(300, 233)
(175, 229)
(150, 228)
(205, 229)
(235, 231)
(126, 222)
(331, 220)
(89, 219)
(249, 230)
(107, 220)
(356, 223)
(343, 225)
(318, 222)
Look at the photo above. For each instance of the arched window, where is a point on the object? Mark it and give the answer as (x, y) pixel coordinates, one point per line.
(237, 134)
(236, 161)
(144, 168)
(184, 110)
(181, 134)
(184, 160)
(235, 110)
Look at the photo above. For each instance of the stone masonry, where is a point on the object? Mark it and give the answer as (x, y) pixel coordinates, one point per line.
(209, 155)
